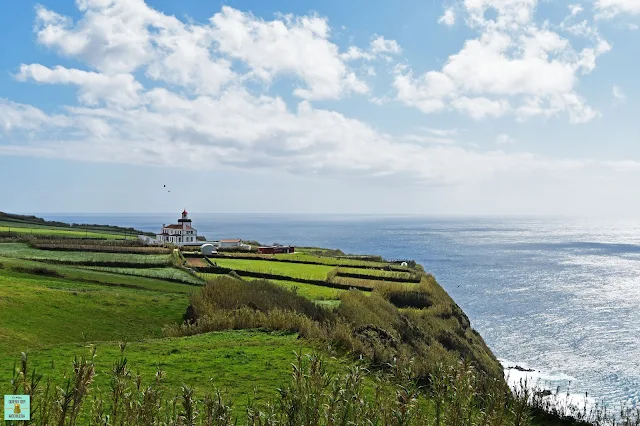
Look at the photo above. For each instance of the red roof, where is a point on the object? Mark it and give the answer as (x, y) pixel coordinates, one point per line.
(184, 212)
(178, 227)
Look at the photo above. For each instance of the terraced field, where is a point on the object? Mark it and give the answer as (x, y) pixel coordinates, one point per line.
(169, 274)
(379, 273)
(294, 270)
(197, 262)
(23, 251)
(331, 260)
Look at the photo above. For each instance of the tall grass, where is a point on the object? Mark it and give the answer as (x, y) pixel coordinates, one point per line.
(456, 396)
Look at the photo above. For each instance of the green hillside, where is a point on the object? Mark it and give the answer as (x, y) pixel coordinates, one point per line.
(218, 324)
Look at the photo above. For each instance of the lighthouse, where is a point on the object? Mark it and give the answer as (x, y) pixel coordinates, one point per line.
(181, 233)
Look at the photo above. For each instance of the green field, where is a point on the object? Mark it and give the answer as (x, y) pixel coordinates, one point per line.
(81, 276)
(23, 251)
(295, 270)
(39, 311)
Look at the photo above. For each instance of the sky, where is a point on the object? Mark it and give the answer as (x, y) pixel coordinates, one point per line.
(457, 107)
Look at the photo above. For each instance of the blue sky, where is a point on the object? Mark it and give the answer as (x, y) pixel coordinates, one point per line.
(423, 107)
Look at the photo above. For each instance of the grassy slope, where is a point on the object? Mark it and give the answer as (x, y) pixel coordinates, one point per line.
(28, 229)
(48, 315)
(39, 311)
(44, 227)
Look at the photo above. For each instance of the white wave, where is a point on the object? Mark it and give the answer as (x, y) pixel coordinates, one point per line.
(520, 375)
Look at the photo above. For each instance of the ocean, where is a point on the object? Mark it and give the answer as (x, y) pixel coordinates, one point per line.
(559, 296)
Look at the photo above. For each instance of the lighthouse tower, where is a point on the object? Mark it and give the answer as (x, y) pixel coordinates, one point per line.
(185, 221)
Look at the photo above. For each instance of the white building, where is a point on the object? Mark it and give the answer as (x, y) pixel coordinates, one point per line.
(233, 244)
(179, 234)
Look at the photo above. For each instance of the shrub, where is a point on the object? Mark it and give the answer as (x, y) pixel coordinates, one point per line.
(230, 293)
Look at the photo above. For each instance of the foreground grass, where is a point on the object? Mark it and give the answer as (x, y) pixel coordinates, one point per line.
(241, 363)
(41, 311)
(318, 391)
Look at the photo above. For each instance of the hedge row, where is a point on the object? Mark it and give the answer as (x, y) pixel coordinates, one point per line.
(102, 248)
(220, 270)
(108, 264)
(190, 255)
(413, 279)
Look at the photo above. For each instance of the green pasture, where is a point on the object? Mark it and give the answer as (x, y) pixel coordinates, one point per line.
(294, 270)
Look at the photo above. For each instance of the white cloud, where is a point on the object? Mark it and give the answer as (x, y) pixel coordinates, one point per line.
(112, 36)
(448, 18)
(378, 48)
(195, 109)
(119, 89)
(618, 95)
(381, 45)
(15, 117)
(120, 37)
(504, 139)
(479, 108)
(441, 132)
(513, 61)
(292, 45)
(575, 9)
(611, 8)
